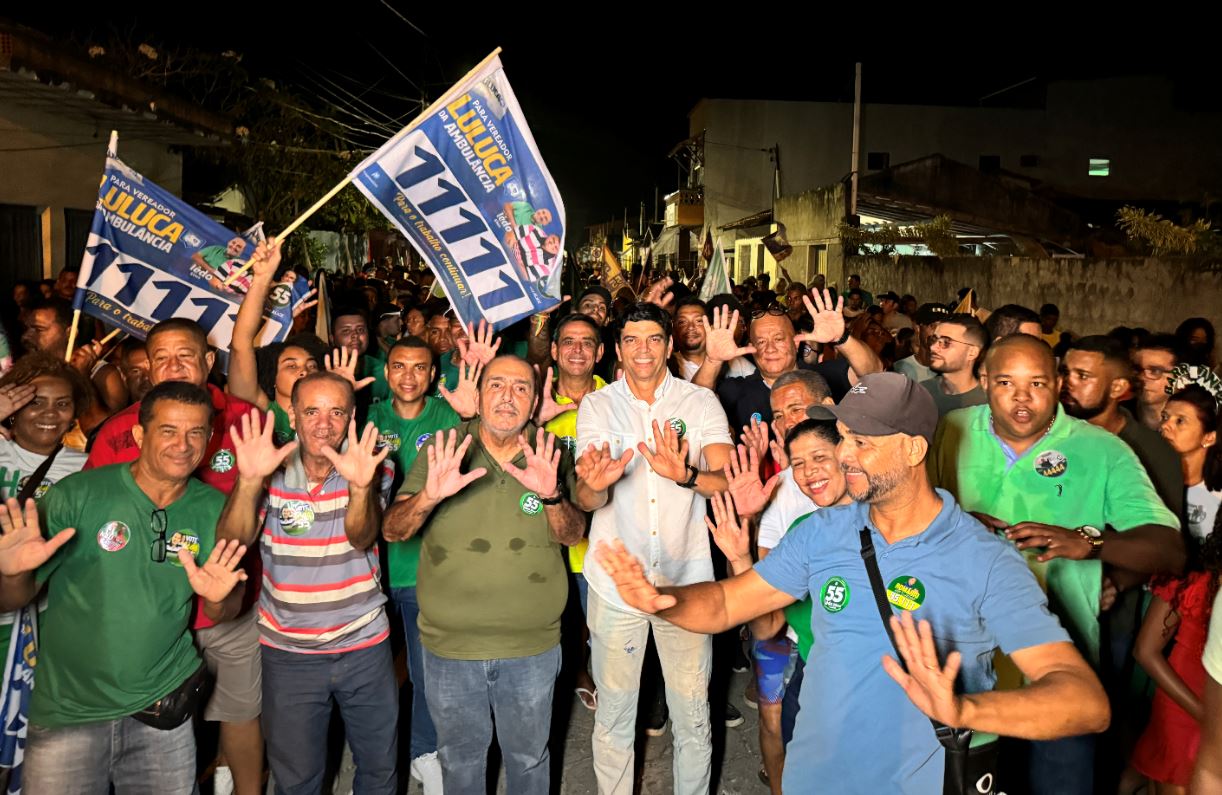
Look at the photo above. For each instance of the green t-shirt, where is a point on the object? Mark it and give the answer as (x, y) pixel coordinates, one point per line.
(115, 636)
(523, 213)
(372, 365)
(1075, 475)
(797, 615)
(216, 256)
(284, 433)
(492, 583)
(405, 439)
(448, 373)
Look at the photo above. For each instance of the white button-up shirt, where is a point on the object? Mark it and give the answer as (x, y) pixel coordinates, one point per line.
(660, 522)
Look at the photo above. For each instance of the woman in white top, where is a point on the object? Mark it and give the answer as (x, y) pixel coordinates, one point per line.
(41, 397)
(1190, 424)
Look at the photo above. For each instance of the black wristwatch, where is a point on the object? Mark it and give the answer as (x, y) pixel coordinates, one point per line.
(845, 336)
(559, 498)
(693, 473)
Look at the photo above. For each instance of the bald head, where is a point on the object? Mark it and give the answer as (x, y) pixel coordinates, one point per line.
(1024, 345)
(1023, 388)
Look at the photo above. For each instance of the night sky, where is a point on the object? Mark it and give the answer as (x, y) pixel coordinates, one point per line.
(606, 99)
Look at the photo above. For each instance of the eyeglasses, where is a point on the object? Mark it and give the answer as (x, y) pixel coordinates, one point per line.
(157, 550)
(772, 309)
(945, 342)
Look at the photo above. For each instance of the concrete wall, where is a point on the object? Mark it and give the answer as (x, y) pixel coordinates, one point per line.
(812, 221)
(1123, 120)
(1094, 295)
(61, 167)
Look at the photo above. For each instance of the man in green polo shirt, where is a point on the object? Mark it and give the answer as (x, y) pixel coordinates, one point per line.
(1070, 495)
(115, 637)
(405, 423)
(492, 584)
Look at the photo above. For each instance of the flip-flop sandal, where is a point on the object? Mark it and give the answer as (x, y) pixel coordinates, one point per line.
(589, 698)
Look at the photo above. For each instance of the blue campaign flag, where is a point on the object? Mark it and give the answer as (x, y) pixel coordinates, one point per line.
(15, 688)
(150, 256)
(467, 186)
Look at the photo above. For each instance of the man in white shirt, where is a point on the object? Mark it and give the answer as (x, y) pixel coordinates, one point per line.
(653, 448)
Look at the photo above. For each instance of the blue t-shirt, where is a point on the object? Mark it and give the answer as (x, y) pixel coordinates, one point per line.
(855, 722)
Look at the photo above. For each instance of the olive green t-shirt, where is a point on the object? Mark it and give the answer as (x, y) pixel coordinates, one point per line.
(405, 438)
(1075, 475)
(492, 582)
(115, 635)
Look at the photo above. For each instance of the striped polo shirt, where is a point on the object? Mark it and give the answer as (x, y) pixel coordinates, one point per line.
(320, 595)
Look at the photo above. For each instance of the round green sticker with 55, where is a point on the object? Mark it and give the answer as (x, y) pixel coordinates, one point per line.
(834, 595)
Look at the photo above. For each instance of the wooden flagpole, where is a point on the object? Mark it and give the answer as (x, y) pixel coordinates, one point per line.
(112, 148)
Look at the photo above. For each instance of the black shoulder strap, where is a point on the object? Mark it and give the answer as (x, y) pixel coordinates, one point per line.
(950, 738)
(35, 479)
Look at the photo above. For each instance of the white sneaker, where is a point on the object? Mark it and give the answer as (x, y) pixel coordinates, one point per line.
(426, 769)
(222, 781)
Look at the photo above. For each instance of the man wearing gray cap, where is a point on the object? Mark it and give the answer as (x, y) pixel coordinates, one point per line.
(959, 592)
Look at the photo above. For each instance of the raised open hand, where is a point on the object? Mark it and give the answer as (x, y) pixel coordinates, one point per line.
(342, 362)
(445, 466)
(719, 343)
(542, 463)
(598, 469)
(670, 459)
(743, 482)
(465, 397)
(22, 547)
(14, 397)
(258, 456)
(828, 318)
(729, 533)
(928, 685)
(220, 573)
(359, 463)
(629, 578)
(480, 345)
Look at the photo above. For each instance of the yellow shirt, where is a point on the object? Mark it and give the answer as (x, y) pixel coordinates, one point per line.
(564, 426)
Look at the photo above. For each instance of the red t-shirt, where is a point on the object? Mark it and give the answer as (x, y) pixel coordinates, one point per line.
(219, 469)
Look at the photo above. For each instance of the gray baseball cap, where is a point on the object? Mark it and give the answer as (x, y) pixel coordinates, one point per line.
(882, 404)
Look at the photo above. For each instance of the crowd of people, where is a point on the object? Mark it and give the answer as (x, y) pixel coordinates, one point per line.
(959, 550)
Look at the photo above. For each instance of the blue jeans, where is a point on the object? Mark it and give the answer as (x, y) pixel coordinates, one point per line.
(424, 734)
(298, 693)
(466, 696)
(618, 640)
(84, 760)
(1063, 767)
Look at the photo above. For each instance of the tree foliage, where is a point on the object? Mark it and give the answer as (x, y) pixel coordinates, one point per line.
(1164, 237)
(288, 147)
(936, 235)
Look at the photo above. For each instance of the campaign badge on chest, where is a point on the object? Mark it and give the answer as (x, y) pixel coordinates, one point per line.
(906, 593)
(113, 536)
(222, 461)
(182, 539)
(530, 504)
(296, 517)
(834, 595)
(1051, 463)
